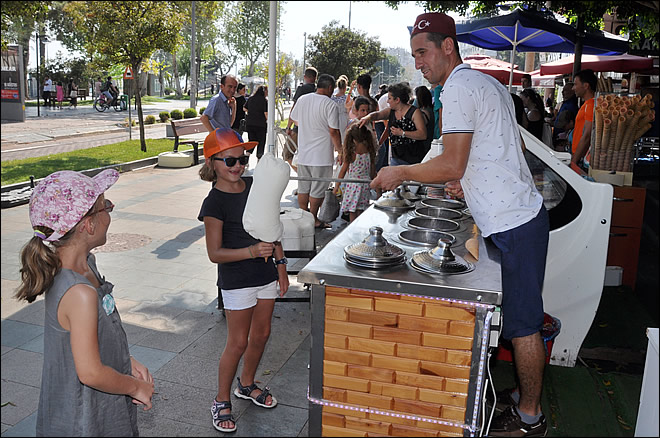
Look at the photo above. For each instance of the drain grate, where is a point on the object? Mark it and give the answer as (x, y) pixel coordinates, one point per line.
(123, 242)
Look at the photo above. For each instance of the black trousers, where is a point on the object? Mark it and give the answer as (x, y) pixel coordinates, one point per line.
(258, 134)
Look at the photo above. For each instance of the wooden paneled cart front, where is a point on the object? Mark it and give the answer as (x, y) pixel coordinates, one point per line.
(398, 352)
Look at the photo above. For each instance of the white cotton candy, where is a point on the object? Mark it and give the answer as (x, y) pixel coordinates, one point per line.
(261, 218)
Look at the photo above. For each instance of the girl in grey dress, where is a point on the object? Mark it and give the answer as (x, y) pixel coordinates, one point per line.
(90, 384)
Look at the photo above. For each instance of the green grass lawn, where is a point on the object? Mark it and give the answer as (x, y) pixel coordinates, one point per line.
(17, 171)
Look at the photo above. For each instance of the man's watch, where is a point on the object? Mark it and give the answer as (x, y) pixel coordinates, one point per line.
(282, 261)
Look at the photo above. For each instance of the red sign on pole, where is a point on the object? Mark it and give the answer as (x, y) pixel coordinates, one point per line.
(128, 72)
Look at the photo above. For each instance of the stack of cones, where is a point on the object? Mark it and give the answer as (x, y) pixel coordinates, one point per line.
(620, 121)
(604, 85)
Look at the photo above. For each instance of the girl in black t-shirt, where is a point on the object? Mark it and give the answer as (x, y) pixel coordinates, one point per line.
(248, 276)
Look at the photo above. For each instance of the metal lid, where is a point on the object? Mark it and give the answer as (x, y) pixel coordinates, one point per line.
(440, 260)
(374, 249)
(444, 203)
(395, 201)
(442, 213)
(407, 194)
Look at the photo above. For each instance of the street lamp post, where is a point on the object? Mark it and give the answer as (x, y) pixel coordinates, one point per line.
(36, 51)
(304, 66)
(37, 39)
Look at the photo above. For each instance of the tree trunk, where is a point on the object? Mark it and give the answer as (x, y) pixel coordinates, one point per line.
(138, 103)
(177, 85)
(26, 59)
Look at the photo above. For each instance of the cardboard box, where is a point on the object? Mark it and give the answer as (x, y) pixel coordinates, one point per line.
(612, 177)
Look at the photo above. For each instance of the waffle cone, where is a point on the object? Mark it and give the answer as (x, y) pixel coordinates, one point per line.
(620, 130)
(605, 151)
(613, 129)
(599, 128)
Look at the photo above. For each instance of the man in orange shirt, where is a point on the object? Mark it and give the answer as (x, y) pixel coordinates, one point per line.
(585, 82)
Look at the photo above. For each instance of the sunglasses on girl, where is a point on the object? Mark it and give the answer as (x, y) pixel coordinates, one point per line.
(109, 206)
(231, 161)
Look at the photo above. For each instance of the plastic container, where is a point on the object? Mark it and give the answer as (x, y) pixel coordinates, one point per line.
(647, 416)
(298, 232)
(613, 275)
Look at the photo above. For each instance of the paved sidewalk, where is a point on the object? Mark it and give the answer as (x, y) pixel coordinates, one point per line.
(68, 122)
(166, 294)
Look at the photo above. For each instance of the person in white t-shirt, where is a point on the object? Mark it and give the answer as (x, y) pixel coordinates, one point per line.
(317, 118)
(48, 87)
(482, 149)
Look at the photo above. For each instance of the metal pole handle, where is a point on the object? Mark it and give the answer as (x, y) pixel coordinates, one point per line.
(361, 181)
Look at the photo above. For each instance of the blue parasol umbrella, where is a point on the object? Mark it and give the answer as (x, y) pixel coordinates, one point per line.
(535, 31)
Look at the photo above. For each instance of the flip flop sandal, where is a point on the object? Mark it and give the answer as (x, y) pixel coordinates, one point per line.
(260, 400)
(219, 418)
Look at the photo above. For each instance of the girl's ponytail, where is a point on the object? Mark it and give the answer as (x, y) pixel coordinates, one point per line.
(40, 263)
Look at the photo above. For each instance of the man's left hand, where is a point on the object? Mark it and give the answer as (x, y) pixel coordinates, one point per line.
(232, 102)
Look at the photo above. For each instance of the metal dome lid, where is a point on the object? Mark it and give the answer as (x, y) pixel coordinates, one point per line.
(440, 260)
(375, 249)
(395, 201)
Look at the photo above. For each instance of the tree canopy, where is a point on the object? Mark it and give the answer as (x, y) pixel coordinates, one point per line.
(246, 30)
(127, 33)
(641, 16)
(338, 50)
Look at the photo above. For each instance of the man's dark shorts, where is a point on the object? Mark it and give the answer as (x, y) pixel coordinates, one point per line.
(524, 251)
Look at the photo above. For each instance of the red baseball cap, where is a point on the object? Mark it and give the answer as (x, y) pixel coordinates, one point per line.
(435, 22)
(222, 139)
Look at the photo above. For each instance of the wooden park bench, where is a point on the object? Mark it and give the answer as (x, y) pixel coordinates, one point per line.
(187, 127)
(82, 93)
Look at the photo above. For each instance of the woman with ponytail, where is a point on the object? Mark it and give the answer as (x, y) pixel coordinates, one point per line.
(90, 384)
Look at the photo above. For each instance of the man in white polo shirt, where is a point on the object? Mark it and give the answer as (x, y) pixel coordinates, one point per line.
(482, 150)
(317, 117)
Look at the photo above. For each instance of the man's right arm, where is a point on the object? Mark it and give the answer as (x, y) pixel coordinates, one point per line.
(290, 122)
(206, 122)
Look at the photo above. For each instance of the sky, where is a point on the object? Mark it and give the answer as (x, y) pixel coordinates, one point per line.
(371, 17)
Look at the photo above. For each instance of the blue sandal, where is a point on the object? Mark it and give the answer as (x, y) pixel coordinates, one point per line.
(260, 400)
(219, 418)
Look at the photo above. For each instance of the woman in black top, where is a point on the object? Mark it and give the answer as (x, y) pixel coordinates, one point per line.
(257, 114)
(405, 124)
(240, 111)
(535, 112)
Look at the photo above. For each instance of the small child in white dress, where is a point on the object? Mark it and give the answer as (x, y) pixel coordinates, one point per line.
(359, 154)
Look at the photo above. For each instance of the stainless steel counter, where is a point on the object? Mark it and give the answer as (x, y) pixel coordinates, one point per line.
(483, 284)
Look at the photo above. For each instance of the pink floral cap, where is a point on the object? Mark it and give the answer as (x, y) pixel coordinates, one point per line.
(61, 199)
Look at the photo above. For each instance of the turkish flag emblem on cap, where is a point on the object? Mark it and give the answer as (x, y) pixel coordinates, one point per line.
(435, 22)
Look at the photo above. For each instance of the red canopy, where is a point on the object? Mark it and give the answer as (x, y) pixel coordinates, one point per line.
(496, 68)
(618, 63)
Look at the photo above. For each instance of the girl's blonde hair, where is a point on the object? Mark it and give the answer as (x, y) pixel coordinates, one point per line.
(357, 134)
(40, 262)
(342, 82)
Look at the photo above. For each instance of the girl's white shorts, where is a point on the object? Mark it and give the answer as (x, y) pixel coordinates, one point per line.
(244, 298)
